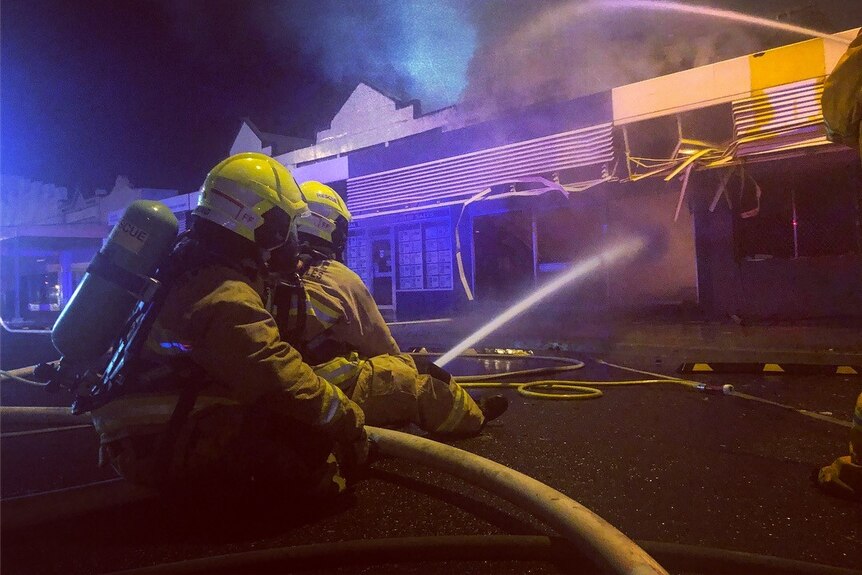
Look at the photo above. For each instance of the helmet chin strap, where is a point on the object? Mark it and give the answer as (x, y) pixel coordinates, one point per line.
(317, 249)
(284, 259)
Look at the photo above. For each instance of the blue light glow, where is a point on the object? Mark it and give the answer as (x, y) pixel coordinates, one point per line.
(438, 45)
(413, 48)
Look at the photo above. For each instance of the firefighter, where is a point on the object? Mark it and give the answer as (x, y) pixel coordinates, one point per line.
(844, 476)
(215, 397)
(842, 112)
(342, 314)
(344, 334)
(842, 98)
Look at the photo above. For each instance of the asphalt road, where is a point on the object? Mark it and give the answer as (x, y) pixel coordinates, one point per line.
(659, 462)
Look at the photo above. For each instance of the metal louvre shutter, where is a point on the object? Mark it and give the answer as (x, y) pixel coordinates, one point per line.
(456, 179)
(182, 220)
(784, 118)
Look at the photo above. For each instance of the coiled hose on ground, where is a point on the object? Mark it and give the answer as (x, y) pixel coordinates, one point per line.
(551, 388)
(588, 389)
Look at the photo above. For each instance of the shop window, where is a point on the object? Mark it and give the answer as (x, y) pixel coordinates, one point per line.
(826, 226)
(438, 257)
(565, 235)
(410, 259)
(425, 257)
(41, 291)
(798, 217)
(503, 244)
(763, 223)
(358, 256)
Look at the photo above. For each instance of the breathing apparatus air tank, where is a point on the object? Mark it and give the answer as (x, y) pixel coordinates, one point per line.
(117, 279)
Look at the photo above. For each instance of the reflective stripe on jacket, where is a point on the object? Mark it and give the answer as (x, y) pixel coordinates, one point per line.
(340, 308)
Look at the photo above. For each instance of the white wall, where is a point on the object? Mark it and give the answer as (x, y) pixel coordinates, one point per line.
(727, 81)
(325, 171)
(366, 118)
(247, 141)
(24, 201)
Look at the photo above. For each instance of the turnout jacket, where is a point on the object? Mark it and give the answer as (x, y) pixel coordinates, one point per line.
(214, 320)
(341, 311)
(351, 346)
(842, 97)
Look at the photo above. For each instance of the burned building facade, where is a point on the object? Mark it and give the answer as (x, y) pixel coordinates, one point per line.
(724, 170)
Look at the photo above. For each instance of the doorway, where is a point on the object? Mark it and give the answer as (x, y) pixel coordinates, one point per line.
(383, 272)
(504, 263)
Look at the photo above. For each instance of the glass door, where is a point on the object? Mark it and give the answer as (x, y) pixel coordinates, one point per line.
(383, 272)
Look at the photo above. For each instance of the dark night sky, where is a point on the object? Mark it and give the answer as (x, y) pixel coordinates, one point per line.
(154, 90)
(95, 89)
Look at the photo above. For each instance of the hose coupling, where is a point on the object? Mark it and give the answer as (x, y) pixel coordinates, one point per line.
(725, 389)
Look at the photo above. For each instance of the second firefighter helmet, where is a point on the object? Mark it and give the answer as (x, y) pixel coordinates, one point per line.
(254, 196)
(326, 224)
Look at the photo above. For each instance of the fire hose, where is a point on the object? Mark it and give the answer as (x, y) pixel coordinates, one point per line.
(321, 556)
(601, 544)
(591, 535)
(559, 389)
(583, 389)
(593, 540)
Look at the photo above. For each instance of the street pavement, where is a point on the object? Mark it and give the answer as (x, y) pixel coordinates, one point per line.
(659, 462)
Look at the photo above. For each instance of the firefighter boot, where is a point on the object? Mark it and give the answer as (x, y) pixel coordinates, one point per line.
(493, 406)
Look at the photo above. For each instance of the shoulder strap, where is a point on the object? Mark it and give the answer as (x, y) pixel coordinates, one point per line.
(289, 296)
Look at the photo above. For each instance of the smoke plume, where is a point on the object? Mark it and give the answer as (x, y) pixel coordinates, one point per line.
(499, 54)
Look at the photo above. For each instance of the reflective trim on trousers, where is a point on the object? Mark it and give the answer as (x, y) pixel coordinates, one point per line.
(339, 370)
(460, 407)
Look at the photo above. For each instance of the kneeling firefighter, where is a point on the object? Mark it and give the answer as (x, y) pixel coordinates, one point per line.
(342, 332)
(206, 392)
(842, 112)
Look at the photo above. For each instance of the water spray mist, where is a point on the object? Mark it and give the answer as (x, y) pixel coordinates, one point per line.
(666, 6)
(627, 249)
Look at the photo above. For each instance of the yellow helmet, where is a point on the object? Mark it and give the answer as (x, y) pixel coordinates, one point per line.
(329, 215)
(254, 196)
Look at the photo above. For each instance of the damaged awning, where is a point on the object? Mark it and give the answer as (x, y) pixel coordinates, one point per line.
(779, 119)
(456, 179)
